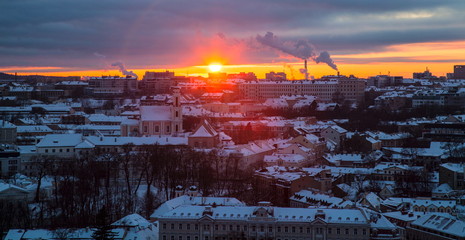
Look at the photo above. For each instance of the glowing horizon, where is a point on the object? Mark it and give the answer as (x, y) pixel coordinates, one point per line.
(396, 60)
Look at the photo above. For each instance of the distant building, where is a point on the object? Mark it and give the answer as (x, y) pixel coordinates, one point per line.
(424, 75)
(7, 132)
(250, 76)
(278, 184)
(459, 71)
(204, 136)
(162, 120)
(160, 82)
(337, 89)
(107, 86)
(436, 226)
(381, 81)
(276, 76)
(453, 175)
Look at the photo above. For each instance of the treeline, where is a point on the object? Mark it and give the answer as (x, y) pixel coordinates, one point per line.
(122, 183)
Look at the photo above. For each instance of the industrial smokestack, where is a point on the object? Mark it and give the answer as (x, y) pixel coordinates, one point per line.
(306, 69)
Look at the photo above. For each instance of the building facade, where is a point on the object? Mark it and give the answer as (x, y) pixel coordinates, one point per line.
(262, 222)
(327, 90)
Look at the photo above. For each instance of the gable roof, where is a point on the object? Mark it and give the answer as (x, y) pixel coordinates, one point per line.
(204, 130)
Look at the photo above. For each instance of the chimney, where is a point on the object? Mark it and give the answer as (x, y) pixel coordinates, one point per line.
(306, 69)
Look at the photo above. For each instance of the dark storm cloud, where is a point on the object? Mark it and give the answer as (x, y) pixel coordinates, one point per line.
(152, 33)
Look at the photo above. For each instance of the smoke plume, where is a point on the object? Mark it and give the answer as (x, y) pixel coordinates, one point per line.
(123, 70)
(302, 49)
(325, 58)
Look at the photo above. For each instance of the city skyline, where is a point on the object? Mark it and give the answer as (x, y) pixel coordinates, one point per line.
(84, 38)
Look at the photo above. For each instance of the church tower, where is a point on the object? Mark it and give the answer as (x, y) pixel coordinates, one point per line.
(176, 111)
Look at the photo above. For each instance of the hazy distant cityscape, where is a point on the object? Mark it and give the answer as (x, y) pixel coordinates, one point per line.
(232, 156)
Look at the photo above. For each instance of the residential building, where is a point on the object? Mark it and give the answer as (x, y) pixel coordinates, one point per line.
(263, 222)
(107, 86)
(453, 175)
(436, 226)
(459, 71)
(204, 136)
(7, 132)
(277, 184)
(325, 90)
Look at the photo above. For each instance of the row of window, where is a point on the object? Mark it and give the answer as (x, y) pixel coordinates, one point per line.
(59, 150)
(254, 228)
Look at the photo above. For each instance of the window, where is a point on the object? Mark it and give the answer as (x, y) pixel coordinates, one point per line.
(164, 225)
(180, 226)
(347, 231)
(216, 227)
(270, 229)
(157, 128)
(167, 128)
(364, 232)
(338, 231)
(329, 230)
(301, 229)
(293, 229)
(61, 150)
(145, 129)
(286, 229)
(46, 150)
(180, 237)
(53, 150)
(355, 231)
(224, 227)
(279, 229)
(188, 227)
(67, 150)
(196, 227)
(172, 226)
(177, 114)
(164, 237)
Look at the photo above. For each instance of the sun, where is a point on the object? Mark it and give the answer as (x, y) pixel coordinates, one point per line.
(215, 67)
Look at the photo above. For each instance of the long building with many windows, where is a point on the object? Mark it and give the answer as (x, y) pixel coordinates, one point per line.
(327, 90)
(264, 222)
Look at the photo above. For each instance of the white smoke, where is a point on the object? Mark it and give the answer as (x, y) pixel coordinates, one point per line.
(123, 70)
(99, 55)
(302, 49)
(326, 58)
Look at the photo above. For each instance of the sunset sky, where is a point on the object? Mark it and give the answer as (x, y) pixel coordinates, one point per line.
(363, 37)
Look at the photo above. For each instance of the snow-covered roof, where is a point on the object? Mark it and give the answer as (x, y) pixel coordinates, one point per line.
(33, 128)
(104, 118)
(155, 113)
(6, 124)
(188, 200)
(204, 130)
(454, 167)
(119, 141)
(307, 196)
(443, 223)
(60, 140)
(352, 216)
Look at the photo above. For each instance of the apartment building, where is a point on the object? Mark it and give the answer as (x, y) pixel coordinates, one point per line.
(262, 222)
(112, 85)
(327, 90)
